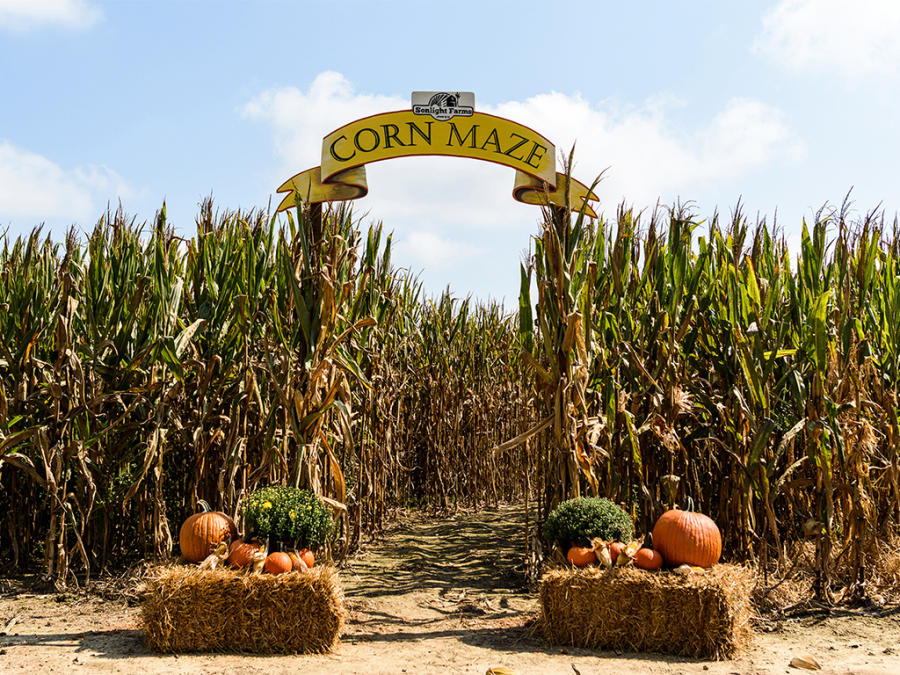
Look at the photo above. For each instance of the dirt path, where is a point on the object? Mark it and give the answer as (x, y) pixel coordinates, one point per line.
(438, 595)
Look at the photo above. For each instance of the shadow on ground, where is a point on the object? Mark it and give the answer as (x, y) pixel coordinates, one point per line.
(104, 643)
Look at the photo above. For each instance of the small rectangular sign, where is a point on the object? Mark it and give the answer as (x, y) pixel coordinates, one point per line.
(442, 105)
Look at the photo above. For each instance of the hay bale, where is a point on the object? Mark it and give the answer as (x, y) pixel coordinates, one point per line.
(701, 615)
(185, 609)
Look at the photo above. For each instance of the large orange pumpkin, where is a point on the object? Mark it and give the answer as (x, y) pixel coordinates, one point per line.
(278, 563)
(240, 554)
(581, 557)
(687, 538)
(648, 559)
(202, 532)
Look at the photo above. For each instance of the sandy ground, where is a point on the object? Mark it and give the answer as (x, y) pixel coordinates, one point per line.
(436, 596)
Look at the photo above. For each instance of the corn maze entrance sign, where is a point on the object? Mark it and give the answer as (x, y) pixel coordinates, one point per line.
(439, 123)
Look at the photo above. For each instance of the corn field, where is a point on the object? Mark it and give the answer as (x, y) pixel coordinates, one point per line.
(651, 359)
(142, 372)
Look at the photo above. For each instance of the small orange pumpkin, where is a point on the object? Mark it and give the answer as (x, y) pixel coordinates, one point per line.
(203, 531)
(278, 563)
(687, 538)
(648, 559)
(240, 554)
(615, 548)
(581, 556)
(307, 556)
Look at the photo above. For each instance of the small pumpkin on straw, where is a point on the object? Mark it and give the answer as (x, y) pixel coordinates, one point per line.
(278, 563)
(240, 555)
(648, 559)
(615, 548)
(581, 556)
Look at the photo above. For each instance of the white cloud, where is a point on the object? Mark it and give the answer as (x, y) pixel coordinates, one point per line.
(33, 188)
(648, 156)
(443, 209)
(24, 14)
(431, 251)
(300, 120)
(746, 135)
(854, 38)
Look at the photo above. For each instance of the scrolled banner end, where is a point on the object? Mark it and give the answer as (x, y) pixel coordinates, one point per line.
(349, 184)
(529, 190)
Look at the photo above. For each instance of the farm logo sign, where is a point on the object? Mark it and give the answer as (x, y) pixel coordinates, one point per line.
(442, 105)
(439, 123)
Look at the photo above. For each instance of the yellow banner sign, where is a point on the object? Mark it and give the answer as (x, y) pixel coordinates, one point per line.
(346, 151)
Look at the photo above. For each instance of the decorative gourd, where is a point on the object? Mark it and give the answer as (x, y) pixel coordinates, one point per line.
(241, 553)
(278, 563)
(258, 561)
(648, 559)
(296, 563)
(216, 558)
(685, 537)
(203, 531)
(627, 554)
(307, 556)
(601, 550)
(581, 556)
(615, 548)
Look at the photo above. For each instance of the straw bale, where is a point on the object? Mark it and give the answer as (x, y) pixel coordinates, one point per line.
(185, 609)
(700, 615)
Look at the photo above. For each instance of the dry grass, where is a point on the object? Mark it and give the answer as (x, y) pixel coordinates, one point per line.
(188, 610)
(792, 588)
(701, 615)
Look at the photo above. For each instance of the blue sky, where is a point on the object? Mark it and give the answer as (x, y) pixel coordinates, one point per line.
(786, 104)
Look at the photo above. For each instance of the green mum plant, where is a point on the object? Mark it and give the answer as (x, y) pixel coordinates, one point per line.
(577, 521)
(289, 515)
